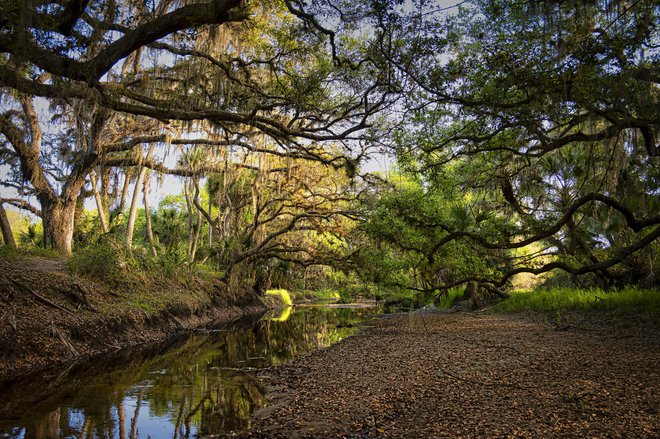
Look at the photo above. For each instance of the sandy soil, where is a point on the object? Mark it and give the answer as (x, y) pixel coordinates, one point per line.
(429, 374)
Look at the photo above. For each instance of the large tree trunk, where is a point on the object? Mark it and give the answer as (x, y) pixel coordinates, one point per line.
(57, 217)
(7, 235)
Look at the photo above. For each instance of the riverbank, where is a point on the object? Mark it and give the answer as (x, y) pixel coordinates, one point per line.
(50, 317)
(432, 374)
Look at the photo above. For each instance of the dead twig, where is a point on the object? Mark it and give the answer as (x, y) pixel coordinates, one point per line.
(60, 335)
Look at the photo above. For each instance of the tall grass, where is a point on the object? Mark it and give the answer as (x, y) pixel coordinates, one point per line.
(448, 300)
(629, 300)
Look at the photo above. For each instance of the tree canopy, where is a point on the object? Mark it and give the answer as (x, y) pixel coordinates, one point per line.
(523, 134)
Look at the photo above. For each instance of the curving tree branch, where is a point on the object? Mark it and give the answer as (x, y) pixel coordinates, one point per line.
(21, 204)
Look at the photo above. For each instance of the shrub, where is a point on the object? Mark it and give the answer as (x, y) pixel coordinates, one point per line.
(448, 300)
(107, 261)
(326, 294)
(345, 296)
(283, 294)
(169, 261)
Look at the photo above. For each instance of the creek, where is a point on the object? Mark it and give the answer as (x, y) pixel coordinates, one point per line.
(200, 384)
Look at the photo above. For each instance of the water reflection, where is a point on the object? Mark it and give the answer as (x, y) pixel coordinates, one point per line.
(203, 384)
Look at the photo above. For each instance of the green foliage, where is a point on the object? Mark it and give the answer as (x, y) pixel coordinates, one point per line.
(169, 225)
(513, 126)
(511, 112)
(108, 261)
(9, 253)
(87, 228)
(170, 261)
(345, 296)
(413, 233)
(112, 262)
(321, 294)
(560, 300)
(282, 294)
(448, 299)
(32, 235)
(151, 304)
(19, 224)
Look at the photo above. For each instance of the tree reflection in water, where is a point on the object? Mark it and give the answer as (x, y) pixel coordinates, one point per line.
(203, 384)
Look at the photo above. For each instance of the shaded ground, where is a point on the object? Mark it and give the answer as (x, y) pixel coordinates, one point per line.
(423, 374)
(49, 317)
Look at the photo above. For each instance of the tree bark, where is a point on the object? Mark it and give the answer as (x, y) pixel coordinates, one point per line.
(7, 235)
(99, 203)
(147, 215)
(134, 202)
(57, 217)
(187, 196)
(195, 244)
(209, 219)
(198, 224)
(124, 195)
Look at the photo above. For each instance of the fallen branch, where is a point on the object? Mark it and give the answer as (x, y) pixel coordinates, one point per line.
(41, 298)
(60, 335)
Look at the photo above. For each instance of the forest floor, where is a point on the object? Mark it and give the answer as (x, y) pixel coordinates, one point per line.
(50, 317)
(431, 374)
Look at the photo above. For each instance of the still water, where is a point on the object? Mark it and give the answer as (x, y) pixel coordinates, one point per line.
(204, 384)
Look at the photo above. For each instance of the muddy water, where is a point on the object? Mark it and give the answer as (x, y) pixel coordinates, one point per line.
(201, 384)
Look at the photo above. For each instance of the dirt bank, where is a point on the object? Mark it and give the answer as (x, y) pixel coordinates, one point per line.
(425, 375)
(48, 316)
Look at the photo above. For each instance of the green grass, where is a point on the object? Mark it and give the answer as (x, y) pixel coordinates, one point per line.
(13, 254)
(629, 300)
(448, 300)
(323, 294)
(148, 303)
(283, 294)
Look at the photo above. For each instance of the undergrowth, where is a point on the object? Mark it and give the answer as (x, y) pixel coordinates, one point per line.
(109, 262)
(449, 299)
(9, 253)
(283, 295)
(326, 294)
(114, 263)
(558, 300)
